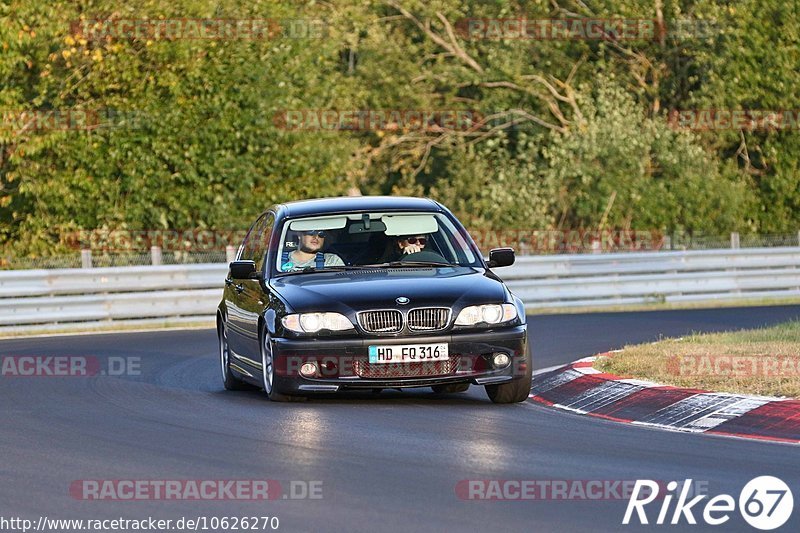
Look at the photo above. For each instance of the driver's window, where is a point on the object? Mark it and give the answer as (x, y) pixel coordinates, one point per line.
(248, 245)
(256, 243)
(262, 241)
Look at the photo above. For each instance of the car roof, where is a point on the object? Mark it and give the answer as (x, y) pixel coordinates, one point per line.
(340, 204)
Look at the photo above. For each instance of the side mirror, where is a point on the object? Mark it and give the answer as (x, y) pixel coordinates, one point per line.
(501, 257)
(243, 269)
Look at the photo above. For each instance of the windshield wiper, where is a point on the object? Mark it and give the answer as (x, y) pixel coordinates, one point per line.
(340, 267)
(323, 269)
(400, 264)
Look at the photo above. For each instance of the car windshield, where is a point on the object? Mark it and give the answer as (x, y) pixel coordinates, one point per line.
(374, 240)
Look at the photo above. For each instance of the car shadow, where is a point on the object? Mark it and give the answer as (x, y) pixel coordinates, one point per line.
(416, 396)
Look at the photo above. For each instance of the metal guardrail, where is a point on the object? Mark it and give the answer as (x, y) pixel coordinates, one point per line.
(655, 277)
(29, 297)
(113, 293)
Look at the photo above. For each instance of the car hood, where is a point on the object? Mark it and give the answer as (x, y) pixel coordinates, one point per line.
(357, 290)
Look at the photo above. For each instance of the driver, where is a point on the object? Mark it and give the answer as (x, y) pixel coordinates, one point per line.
(411, 244)
(404, 245)
(309, 253)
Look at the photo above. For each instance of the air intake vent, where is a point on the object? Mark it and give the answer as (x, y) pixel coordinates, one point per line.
(388, 321)
(428, 318)
(365, 369)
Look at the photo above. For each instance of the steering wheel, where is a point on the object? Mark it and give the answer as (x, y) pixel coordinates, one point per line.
(424, 255)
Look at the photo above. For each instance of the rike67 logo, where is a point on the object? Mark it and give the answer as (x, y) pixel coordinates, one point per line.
(765, 503)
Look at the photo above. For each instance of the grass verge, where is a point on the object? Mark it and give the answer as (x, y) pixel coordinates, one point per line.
(763, 361)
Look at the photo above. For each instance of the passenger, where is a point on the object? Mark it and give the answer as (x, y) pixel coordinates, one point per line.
(309, 253)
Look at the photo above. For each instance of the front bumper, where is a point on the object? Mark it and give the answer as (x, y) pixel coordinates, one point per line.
(341, 362)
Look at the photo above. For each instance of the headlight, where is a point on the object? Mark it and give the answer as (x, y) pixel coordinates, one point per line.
(313, 322)
(490, 314)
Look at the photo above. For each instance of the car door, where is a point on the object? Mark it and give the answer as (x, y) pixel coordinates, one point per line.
(237, 315)
(249, 293)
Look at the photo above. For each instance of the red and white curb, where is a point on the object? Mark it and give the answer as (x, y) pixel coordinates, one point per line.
(582, 389)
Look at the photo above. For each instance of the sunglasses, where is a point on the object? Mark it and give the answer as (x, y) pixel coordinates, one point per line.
(315, 233)
(415, 240)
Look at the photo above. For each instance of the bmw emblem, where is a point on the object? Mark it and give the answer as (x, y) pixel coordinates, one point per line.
(402, 300)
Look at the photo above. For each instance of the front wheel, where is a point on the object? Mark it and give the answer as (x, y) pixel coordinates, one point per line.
(229, 381)
(268, 372)
(514, 391)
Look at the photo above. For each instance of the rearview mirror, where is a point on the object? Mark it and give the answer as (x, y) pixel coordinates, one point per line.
(243, 269)
(501, 257)
(375, 226)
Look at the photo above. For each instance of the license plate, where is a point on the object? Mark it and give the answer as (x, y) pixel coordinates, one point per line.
(408, 353)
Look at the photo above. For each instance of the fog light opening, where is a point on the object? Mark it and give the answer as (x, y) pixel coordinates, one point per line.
(328, 367)
(500, 360)
(308, 370)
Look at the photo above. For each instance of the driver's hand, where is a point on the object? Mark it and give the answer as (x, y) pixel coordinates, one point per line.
(412, 249)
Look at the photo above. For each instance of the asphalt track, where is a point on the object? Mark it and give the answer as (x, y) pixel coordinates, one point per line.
(389, 463)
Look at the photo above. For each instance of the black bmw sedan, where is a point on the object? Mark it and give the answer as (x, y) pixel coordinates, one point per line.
(369, 293)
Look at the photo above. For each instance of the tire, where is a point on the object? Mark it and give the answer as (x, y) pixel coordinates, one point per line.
(450, 388)
(268, 373)
(514, 391)
(228, 379)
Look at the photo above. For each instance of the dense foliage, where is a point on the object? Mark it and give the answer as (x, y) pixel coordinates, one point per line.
(567, 133)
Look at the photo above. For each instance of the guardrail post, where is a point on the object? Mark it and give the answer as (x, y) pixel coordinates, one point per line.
(155, 255)
(230, 253)
(86, 258)
(735, 240)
